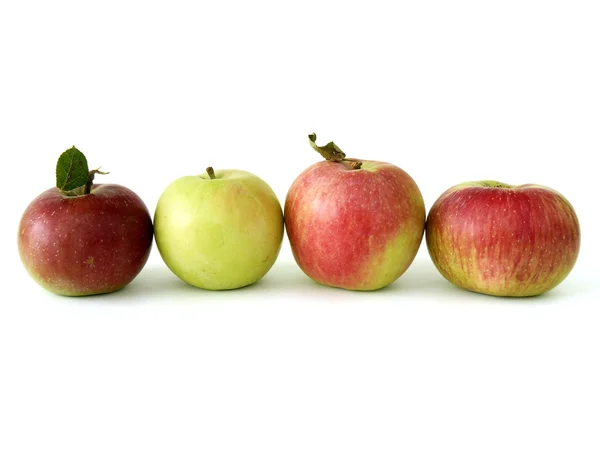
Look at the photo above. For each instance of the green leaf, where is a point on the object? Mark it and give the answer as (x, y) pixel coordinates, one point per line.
(330, 152)
(71, 170)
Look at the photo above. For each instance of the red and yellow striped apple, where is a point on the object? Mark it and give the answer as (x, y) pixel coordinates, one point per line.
(354, 224)
(503, 240)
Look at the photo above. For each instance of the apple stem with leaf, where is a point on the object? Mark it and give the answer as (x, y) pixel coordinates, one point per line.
(211, 173)
(332, 152)
(72, 174)
(90, 180)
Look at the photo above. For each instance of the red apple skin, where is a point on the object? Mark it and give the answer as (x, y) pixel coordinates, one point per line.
(354, 229)
(87, 244)
(503, 240)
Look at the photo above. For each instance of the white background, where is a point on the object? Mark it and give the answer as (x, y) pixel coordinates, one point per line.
(449, 91)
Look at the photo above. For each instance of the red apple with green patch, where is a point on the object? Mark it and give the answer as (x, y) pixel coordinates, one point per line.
(503, 240)
(81, 238)
(353, 224)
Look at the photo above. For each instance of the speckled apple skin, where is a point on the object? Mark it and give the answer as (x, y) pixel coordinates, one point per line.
(354, 229)
(87, 244)
(503, 240)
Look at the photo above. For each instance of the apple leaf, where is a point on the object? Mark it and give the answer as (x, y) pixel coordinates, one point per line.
(330, 152)
(71, 170)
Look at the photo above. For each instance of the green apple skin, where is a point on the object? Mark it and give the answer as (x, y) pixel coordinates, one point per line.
(222, 233)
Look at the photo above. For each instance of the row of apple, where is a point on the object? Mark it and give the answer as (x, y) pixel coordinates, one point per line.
(351, 224)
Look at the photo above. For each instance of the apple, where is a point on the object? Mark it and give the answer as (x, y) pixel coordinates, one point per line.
(503, 240)
(81, 238)
(219, 230)
(353, 224)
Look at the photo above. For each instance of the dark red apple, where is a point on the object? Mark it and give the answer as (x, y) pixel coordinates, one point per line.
(76, 243)
(504, 240)
(354, 224)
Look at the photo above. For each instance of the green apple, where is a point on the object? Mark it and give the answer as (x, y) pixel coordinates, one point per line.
(219, 230)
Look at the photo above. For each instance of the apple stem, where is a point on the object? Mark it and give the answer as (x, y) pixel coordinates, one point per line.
(90, 181)
(211, 173)
(354, 163)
